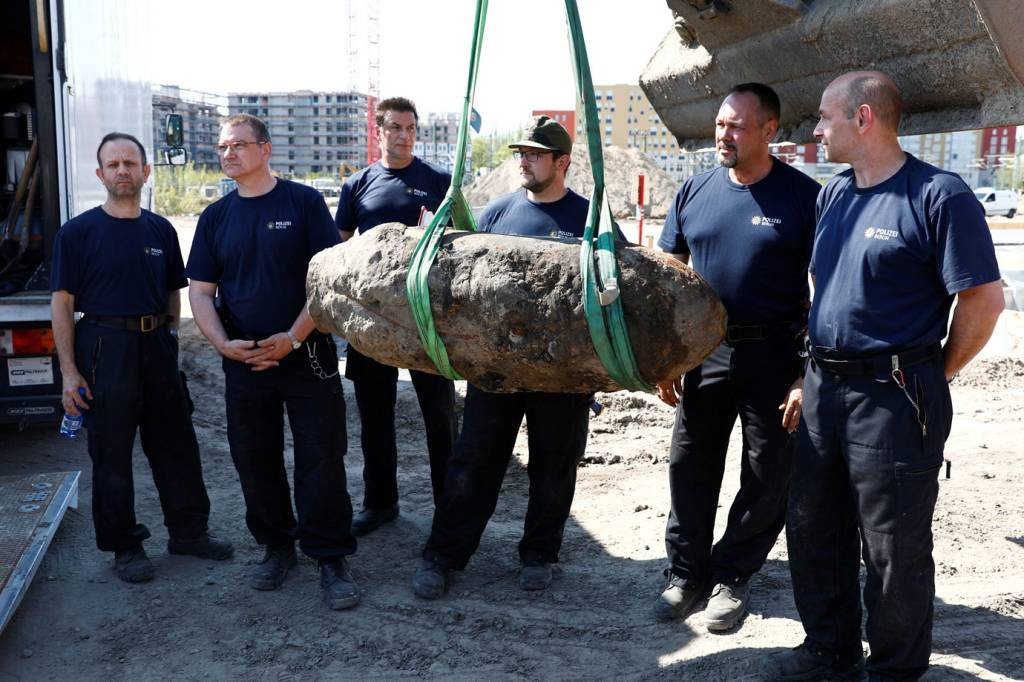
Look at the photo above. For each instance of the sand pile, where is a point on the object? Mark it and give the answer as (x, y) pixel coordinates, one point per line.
(622, 167)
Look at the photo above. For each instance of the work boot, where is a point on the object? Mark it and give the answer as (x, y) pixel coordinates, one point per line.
(133, 566)
(727, 606)
(337, 584)
(369, 520)
(430, 580)
(271, 572)
(205, 546)
(810, 662)
(535, 575)
(678, 600)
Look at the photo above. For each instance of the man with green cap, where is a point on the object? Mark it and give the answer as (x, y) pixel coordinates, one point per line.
(557, 422)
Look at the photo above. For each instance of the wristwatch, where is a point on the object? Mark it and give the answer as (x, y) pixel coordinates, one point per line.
(296, 344)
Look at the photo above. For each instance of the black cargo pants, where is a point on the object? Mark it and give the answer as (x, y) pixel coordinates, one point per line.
(557, 424)
(750, 380)
(376, 388)
(136, 387)
(865, 483)
(256, 403)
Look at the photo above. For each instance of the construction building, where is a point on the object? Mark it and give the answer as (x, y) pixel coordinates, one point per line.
(201, 113)
(312, 132)
(627, 119)
(437, 139)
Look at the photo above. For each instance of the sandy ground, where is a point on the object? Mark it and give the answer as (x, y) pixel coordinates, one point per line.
(200, 620)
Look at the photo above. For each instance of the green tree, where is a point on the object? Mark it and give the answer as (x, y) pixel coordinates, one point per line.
(179, 190)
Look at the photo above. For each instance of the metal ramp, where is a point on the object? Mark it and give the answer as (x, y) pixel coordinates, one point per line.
(31, 509)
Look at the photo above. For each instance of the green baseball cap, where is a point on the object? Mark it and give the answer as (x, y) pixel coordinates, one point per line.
(546, 133)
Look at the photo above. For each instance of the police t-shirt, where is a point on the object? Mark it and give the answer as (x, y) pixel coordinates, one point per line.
(751, 243)
(889, 259)
(117, 266)
(257, 250)
(377, 195)
(516, 214)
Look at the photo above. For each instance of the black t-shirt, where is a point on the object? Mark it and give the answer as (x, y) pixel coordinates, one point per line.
(257, 250)
(516, 214)
(751, 243)
(889, 259)
(377, 195)
(117, 266)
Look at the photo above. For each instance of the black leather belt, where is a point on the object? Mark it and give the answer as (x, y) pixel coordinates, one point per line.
(140, 323)
(763, 330)
(874, 364)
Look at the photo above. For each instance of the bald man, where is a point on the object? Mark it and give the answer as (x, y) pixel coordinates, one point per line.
(897, 242)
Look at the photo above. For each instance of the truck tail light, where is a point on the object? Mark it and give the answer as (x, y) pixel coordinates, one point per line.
(38, 341)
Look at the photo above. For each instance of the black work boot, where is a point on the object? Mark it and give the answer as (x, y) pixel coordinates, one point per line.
(430, 580)
(271, 572)
(810, 662)
(678, 600)
(369, 520)
(133, 566)
(339, 588)
(535, 575)
(205, 546)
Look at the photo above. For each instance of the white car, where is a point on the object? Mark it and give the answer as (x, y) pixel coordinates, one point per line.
(998, 201)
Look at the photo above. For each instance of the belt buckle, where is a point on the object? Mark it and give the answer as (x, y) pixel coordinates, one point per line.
(147, 323)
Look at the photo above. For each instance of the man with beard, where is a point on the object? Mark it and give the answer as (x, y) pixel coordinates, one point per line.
(557, 422)
(748, 227)
(120, 266)
(252, 247)
(395, 189)
(897, 241)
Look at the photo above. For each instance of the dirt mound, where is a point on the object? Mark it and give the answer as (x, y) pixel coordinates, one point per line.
(621, 168)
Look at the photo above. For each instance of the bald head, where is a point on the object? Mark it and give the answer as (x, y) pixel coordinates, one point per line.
(874, 89)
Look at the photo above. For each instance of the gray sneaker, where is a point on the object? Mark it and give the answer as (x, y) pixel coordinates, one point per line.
(726, 606)
(678, 600)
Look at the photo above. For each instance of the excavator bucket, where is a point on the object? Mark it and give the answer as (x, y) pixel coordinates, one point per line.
(958, 63)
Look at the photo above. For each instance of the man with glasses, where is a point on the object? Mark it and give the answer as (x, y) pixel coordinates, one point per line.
(748, 227)
(120, 265)
(398, 188)
(557, 422)
(252, 248)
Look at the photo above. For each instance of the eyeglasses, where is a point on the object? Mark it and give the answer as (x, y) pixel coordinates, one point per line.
(529, 156)
(236, 147)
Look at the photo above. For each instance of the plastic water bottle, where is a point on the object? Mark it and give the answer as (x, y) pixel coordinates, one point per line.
(71, 425)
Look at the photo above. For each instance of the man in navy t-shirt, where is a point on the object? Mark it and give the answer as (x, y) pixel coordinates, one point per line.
(747, 229)
(396, 189)
(252, 248)
(120, 266)
(557, 422)
(897, 241)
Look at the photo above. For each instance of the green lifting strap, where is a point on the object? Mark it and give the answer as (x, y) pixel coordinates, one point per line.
(601, 302)
(454, 205)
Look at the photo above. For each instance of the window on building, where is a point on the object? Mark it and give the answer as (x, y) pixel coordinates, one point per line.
(316, 111)
(316, 126)
(316, 98)
(316, 168)
(291, 127)
(291, 154)
(316, 139)
(328, 99)
(316, 156)
(291, 112)
(291, 140)
(291, 170)
(330, 156)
